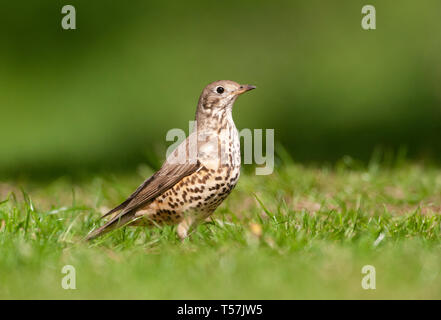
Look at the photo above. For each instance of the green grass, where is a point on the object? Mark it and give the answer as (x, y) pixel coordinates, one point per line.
(300, 233)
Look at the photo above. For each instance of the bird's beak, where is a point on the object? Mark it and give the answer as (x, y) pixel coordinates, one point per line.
(244, 88)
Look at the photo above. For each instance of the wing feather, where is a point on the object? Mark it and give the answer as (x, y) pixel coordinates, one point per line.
(169, 175)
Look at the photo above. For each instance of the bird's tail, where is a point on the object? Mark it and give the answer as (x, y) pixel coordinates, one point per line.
(115, 223)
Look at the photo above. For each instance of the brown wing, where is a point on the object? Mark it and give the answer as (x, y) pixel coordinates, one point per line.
(161, 181)
(130, 198)
(164, 179)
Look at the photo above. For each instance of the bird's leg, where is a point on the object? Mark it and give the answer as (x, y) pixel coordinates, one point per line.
(185, 227)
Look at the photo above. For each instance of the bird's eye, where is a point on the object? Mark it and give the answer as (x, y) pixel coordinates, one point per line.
(220, 90)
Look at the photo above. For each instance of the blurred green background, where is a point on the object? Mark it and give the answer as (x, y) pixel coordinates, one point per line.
(102, 97)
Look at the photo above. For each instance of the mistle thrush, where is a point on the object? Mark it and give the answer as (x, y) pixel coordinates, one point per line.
(196, 177)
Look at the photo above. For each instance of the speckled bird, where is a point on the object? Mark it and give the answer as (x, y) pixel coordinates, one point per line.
(196, 177)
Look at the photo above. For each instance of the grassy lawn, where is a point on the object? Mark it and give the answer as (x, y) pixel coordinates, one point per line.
(302, 232)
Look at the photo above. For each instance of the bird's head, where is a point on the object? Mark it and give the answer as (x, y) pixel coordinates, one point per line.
(221, 94)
